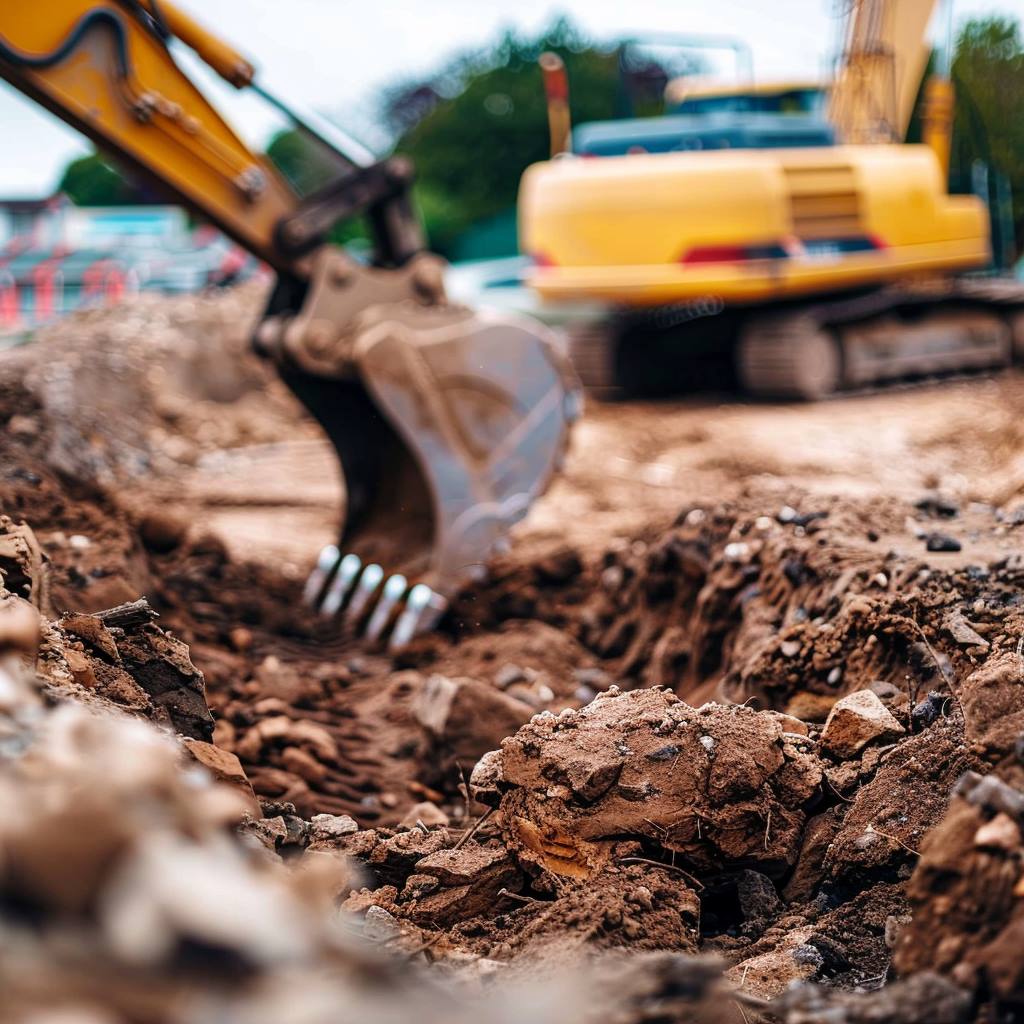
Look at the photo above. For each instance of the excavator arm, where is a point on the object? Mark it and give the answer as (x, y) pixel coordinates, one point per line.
(448, 422)
(107, 70)
(883, 56)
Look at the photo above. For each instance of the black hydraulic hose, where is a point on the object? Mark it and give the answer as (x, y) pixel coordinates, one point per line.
(98, 16)
(158, 17)
(152, 19)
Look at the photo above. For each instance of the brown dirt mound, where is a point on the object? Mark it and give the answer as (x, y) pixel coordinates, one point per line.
(663, 794)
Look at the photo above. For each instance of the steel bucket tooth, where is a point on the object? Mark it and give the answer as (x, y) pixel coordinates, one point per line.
(452, 425)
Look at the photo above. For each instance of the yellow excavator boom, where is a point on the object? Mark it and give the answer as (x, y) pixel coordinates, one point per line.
(881, 64)
(112, 76)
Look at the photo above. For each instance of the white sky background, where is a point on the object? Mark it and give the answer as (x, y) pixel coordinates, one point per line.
(332, 55)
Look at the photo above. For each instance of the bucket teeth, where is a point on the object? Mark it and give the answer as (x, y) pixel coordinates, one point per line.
(365, 591)
(393, 592)
(392, 611)
(423, 609)
(340, 585)
(326, 562)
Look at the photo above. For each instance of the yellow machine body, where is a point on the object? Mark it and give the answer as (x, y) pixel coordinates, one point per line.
(746, 226)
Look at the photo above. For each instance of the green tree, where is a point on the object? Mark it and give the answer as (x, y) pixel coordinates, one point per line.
(988, 74)
(483, 120)
(92, 181)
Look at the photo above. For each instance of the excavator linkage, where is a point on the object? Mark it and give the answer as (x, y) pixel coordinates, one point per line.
(448, 423)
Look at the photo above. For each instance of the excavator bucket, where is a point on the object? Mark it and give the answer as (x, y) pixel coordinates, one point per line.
(449, 426)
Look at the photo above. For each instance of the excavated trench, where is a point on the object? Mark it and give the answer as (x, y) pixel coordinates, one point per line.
(673, 764)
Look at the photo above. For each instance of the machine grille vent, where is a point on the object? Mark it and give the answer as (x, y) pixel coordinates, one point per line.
(824, 200)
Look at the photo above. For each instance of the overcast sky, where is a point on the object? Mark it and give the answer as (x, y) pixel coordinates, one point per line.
(330, 55)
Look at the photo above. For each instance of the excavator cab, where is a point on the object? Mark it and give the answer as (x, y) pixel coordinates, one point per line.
(448, 422)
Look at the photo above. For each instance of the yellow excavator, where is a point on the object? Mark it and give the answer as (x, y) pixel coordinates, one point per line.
(448, 422)
(813, 246)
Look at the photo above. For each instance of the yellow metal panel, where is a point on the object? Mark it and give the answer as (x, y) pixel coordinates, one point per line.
(155, 119)
(615, 229)
(648, 209)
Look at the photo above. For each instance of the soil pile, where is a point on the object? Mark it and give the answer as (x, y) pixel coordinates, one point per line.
(759, 760)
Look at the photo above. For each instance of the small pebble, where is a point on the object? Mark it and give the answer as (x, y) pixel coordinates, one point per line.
(380, 926)
(941, 542)
(929, 710)
(737, 551)
(509, 674)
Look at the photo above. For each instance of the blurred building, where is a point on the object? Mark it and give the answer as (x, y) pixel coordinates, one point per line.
(56, 257)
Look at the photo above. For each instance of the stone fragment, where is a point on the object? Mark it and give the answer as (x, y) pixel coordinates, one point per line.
(790, 723)
(1001, 833)
(91, 630)
(462, 866)
(930, 710)
(303, 764)
(225, 768)
(941, 542)
(572, 784)
(394, 859)
(161, 665)
(509, 674)
(469, 881)
(963, 632)
(769, 974)
(80, 668)
(19, 626)
(23, 567)
(485, 779)
(380, 926)
(856, 720)
(467, 717)
(333, 826)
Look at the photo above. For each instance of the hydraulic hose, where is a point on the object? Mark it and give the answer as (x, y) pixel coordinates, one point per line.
(97, 16)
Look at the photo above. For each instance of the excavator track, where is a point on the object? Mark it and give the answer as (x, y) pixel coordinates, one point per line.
(884, 337)
(808, 352)
(789, 357)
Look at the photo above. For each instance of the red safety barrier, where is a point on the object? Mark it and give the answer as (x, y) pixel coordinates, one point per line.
(92, 281)
(104, 281)
(44, 290)
(114, 285)
(10, 314)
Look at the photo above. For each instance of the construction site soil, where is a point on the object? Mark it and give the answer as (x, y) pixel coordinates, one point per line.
(735, 731)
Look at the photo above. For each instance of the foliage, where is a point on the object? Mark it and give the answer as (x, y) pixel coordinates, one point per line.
(480, 122)
(988, 74)
(92, 181)
(308, 165)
